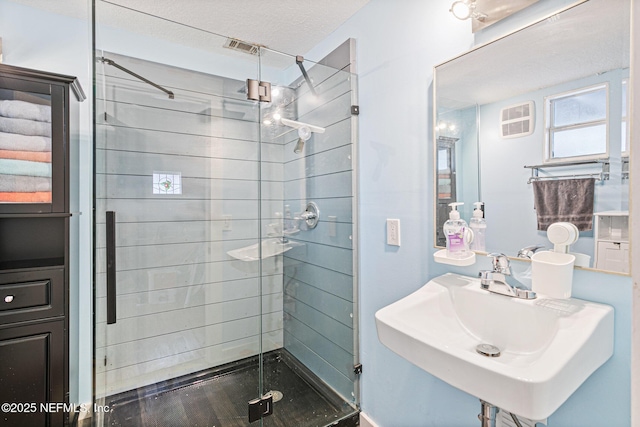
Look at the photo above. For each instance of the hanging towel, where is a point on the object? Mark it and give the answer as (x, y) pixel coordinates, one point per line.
(25, 110)
(24, 127)
(13, 141)
(564, 200)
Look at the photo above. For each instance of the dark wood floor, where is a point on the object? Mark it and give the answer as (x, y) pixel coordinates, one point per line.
(218, 398)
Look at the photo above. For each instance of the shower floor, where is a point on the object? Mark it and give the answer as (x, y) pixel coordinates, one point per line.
(218, 398)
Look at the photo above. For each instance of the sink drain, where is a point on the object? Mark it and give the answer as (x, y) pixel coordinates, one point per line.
(488, 350)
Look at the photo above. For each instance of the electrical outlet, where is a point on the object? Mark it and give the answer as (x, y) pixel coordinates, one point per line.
(393, 232)
(226, 226)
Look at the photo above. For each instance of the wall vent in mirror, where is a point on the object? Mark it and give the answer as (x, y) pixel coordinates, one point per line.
(517, 120)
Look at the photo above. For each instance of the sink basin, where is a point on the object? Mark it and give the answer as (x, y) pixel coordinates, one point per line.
(270, 248)
(548, 347)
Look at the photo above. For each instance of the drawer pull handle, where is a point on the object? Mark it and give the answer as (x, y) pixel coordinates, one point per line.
(8, 298)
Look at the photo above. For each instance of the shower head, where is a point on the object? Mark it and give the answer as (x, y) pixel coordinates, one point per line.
(304, 132)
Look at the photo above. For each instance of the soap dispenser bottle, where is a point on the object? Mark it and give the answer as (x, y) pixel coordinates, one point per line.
(479, 227)
(456, 233)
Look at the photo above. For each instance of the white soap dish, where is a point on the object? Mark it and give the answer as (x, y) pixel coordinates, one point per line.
(442, 258)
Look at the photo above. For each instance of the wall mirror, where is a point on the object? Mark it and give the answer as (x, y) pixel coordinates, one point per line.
(546, 103)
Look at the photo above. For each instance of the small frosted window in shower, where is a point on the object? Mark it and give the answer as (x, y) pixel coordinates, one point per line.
(167, 183)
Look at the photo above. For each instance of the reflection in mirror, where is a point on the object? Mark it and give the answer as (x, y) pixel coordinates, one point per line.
(540, 118)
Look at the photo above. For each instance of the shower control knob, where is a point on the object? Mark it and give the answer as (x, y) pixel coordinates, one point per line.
(311, 215)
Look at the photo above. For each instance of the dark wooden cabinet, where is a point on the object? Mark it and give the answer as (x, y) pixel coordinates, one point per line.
(35, 138)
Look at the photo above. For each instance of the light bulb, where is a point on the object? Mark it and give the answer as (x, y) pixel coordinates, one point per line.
(461, 9)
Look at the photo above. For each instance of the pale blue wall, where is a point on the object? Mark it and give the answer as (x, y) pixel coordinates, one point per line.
(398, 43)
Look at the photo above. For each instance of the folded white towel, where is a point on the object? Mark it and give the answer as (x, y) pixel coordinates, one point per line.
(25, 110)
(14, 141)
(24, 127)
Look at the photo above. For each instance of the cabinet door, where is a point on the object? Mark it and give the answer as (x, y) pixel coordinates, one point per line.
(33, 148)
(32, 373)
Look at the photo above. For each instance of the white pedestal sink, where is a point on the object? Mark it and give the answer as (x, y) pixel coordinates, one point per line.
(548, 347)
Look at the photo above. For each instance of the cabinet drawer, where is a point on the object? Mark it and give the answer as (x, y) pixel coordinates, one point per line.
(613, 256)
(31, 295)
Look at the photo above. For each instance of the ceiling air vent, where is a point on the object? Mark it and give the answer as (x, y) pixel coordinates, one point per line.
(241, 46)
(517, 120)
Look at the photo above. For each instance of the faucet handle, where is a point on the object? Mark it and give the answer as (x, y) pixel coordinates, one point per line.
(528, 251)
(501, 263)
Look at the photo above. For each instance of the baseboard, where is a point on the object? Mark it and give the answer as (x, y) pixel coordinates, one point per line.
(365, 421)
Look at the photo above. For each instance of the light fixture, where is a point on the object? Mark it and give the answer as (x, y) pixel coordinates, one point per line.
(465, 9)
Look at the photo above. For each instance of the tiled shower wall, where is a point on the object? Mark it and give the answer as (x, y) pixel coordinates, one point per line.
(183, 303)
(319, 276)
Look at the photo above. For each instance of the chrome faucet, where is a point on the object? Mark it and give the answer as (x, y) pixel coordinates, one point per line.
(496, 280)
(528, 251)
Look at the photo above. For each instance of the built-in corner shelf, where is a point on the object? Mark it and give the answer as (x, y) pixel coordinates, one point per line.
(442, 258)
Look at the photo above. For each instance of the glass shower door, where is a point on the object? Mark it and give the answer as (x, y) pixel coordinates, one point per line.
(308, 134)
(178, 329)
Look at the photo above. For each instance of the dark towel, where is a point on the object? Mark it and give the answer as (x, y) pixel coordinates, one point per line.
(564, 200)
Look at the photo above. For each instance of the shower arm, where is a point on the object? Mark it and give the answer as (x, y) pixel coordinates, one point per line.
(299, 61)
(137, 76)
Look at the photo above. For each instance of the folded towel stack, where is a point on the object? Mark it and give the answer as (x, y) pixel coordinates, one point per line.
(25, 152)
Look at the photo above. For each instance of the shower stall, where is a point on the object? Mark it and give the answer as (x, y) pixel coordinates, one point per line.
(225, 237)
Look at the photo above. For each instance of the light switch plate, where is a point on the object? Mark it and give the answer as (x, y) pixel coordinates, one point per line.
(393, 232)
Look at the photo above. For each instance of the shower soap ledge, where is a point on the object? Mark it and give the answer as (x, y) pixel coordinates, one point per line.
(442, 258)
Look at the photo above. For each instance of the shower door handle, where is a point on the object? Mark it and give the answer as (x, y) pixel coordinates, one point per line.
(111, 267)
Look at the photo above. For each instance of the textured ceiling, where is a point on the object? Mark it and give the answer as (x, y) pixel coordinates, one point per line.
(291, 26)
(588, 39)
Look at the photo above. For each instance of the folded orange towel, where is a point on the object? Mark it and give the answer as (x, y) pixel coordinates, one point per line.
(37, 197)
(34, 156)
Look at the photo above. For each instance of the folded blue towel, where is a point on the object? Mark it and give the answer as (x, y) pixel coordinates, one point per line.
(13, 141)
(25, 110)
(24, 168)
(24, 184)
(25, 127)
